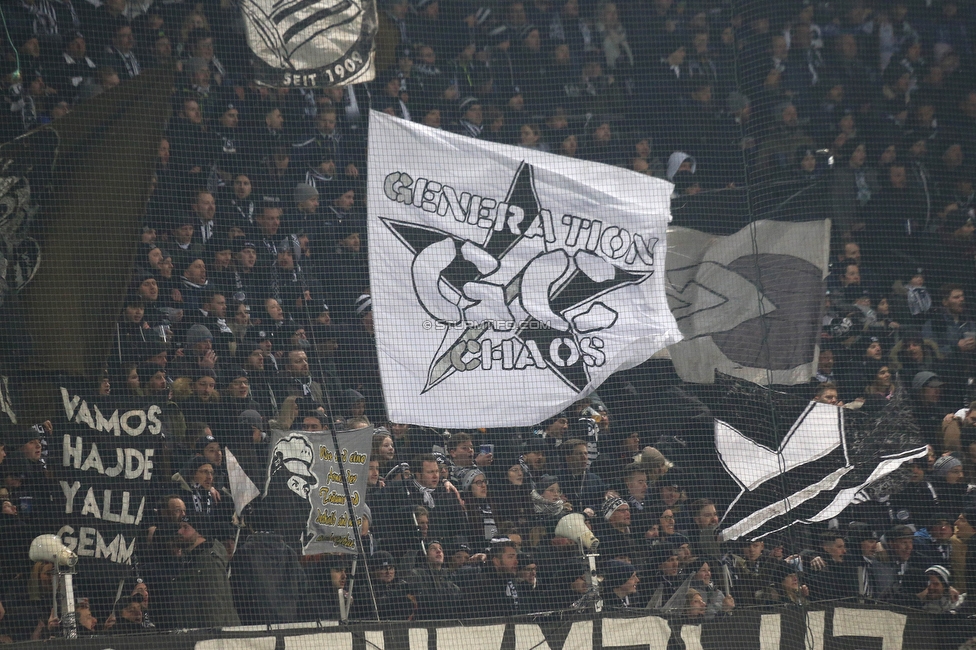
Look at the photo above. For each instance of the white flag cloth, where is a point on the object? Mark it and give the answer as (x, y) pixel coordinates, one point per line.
(507, 283)
(749, 305)
(242, 488)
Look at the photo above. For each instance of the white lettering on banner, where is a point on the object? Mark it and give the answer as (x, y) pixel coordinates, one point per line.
(132, 462)
(260, 643)
(134, 422)
(580, 636)
(418, 638)
(769, 632)
(374, 640)
(651, 632)
(69, 495)
(875, 623)
(90, 543)
(691, 636)
(816, 622)
(530, 637)
(91, 507)
(333, 641)
(479, 637)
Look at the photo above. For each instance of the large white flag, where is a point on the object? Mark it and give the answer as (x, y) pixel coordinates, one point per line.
(507, 283)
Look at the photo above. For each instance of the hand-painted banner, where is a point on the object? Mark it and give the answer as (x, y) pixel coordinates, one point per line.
(841, 627)
(104, 459)
(304, 494)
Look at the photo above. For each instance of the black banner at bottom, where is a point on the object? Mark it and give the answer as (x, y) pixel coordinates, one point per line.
(853, 627)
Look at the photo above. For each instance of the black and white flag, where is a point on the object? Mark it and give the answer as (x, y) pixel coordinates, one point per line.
(311, 43)
(812, 475)
(749, 305)
(507, 283)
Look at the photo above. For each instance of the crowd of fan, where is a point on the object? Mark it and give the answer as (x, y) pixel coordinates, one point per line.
(249, 307)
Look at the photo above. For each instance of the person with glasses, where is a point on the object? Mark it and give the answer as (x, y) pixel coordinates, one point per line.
(477, 506)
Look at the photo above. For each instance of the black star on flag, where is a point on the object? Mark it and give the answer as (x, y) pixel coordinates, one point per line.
(582, 283)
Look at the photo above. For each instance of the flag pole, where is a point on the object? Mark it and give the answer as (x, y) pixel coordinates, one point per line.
(352, 518)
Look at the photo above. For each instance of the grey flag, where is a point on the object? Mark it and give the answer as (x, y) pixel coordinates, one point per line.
(750, 304)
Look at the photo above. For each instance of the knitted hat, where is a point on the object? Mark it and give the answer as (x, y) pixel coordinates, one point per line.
(304, 192)
(251, 418)
(364, 303)
(545, 483)
(467, 103)
(611, 506)
(900, 531)
(944, 464)
(197, 334)
(203, 441)
(616, 573)
(942, 573)
(382, 559)
(468, 478)
(925, 378)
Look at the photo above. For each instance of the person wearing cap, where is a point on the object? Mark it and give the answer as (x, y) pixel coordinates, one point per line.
(203, 404)
(938, 596)
(481, 524)
(619, 584)
(223, 109)
(951, 487)
(785, 586)
(874, 576)
(202, 593)
(471, 120)
(305, 213)
(196, 478)
(927, 405)
(533, 459)
(908, 567)
(345, 275)
(431, 587)
(289, 282)
(614, 532)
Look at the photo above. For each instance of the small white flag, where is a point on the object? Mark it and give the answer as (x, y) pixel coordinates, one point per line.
(242, 488)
